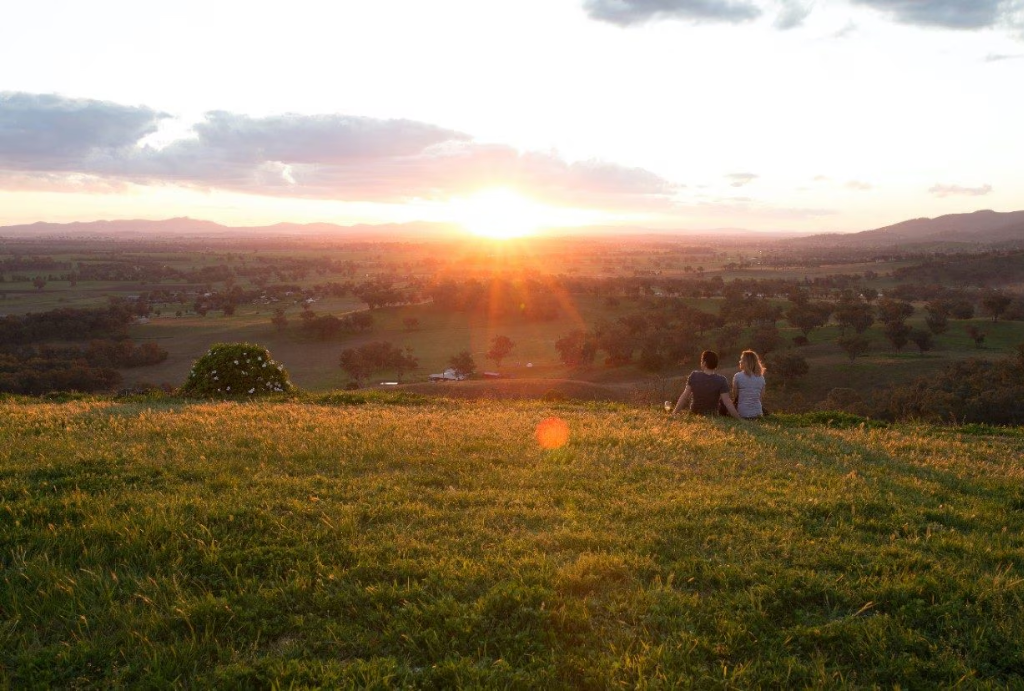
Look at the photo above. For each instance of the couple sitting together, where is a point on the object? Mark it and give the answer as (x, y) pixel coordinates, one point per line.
(707, 392)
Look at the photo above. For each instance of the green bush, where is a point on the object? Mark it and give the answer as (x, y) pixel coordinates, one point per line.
(236, 370)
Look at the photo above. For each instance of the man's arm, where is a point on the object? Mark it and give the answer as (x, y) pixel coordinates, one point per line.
(684, 400)
(727, 402)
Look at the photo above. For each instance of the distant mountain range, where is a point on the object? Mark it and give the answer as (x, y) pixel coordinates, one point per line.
(191, 227)
(980, 227)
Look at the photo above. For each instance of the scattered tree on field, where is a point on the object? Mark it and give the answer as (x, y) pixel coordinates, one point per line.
(279, 321)
(854, 345)
(765, 339)
(976, 335)
(501, 346)
(463, 363)
(892, 311)
(377, 356)
(577, 349)
(788, 366)
(922, 339)
(937, 322)
(995, 303)
(897, 333)
(809, 316)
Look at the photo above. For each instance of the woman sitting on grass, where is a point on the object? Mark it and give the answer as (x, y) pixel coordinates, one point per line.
(748, 386)
(706, 389)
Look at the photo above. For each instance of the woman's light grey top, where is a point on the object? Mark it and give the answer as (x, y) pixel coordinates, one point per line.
(748, 394)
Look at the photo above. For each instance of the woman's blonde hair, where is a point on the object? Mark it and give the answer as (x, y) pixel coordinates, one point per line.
(750, 363)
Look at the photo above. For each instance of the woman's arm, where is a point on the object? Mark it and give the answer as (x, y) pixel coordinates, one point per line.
(684, 400)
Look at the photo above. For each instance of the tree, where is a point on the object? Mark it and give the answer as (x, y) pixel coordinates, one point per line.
(808, 316)
(728, 337)
(788, 366)
(576, 349)
(898, 333)
(765, 339)
(376, 356)
(325, 326)
(890, 310)
(279, 320)
(463, 363)
(618, 344)
(501, 346)
(961, 309)
(355, 364)
(976, 335)
(39, 282)
(357, 321)
(854, 345)
(995, 303)
(937, 322)
(854, 315)
(635, 324)
(922, 339)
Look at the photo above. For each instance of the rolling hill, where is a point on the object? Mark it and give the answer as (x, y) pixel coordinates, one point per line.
(979, 227)
(367, 541)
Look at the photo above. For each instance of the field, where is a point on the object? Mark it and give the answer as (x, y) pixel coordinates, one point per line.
(368, 540)
(258, 265)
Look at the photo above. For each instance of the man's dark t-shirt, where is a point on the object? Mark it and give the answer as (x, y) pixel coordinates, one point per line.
(707, 390)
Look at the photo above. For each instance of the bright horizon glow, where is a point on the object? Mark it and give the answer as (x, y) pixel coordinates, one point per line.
(798, 116)
(500, 214)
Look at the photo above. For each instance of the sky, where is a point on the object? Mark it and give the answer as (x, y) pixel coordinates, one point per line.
(689, 115)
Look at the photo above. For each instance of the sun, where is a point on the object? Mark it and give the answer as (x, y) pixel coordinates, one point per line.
(500, 214)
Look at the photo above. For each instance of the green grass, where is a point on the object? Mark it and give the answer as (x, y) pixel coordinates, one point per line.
(359, 540)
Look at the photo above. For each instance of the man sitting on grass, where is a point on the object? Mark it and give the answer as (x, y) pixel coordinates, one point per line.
(706, 389)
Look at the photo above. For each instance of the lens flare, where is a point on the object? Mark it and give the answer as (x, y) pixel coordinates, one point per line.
(552, 433)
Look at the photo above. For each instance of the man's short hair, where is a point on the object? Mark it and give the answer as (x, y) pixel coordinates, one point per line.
(709, 359)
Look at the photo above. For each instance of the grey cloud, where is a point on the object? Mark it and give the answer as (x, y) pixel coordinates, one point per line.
(958, 191)
(949, 14)
(630, 12)
(741, 179)
(60, 144)
(792, 14)
(848, 30)
(995, 57)
(57, 133)
(316, 138)
(859, 186)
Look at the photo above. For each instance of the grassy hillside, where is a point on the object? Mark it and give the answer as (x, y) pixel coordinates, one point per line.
(347, 541)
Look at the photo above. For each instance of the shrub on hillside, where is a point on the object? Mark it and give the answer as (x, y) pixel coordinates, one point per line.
(969, 391)
(236, 369)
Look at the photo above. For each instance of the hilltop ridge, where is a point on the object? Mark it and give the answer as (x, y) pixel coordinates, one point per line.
(393, 540)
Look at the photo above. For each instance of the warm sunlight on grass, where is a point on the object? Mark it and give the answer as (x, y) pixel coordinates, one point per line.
(500, 213)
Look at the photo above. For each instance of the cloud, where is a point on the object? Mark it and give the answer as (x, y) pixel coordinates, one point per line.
(630, 12)
(995, 57)
(958, 191)
(53, 132)
(948, 14)
(792, 14)
(55, 143)
(14, 181)
(859, 186)
(741, 179)
(849, 29)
